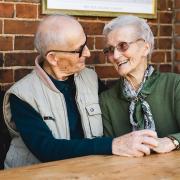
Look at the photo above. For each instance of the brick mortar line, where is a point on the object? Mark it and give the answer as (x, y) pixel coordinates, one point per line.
(17, 35)
(14, 11)
(94, 43)
(103, 65)
(13, 75)
(157, 24)
(4, 84)
(164, 37)
(158, 28)
(25, 35)
(173, 37)
(162, 63)
(165, 50)
(2, 26)
(16, 67)
(96, 50)
(166, 24)
(93, 21)
(22, 19)
(111, 79)
(14, 2)
(165, 11)
(26, 3)
(19, 51)
(3, 59)
(37, 12)
(13, 41)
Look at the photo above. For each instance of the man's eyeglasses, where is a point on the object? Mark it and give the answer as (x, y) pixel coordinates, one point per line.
(121, 47)
(81, 48)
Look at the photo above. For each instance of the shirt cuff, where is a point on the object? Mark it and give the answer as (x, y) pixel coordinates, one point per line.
(103, 145)
(176, 136)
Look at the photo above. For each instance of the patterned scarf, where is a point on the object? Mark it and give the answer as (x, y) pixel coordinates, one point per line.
(138, 104)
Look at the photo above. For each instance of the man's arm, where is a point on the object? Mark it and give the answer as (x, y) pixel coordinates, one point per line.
(39, 139)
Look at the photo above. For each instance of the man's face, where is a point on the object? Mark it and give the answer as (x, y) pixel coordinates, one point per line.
(70, 63)
(71, 57)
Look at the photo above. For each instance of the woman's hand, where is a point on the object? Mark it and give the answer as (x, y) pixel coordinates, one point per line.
(135, 144)
(165, 145)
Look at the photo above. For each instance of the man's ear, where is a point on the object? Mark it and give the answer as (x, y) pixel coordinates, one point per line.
(52, 58)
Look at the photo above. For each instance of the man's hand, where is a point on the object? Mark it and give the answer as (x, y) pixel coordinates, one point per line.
(164, 145)
(135, 144)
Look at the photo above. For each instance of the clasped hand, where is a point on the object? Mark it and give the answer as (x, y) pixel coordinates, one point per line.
(140, 143)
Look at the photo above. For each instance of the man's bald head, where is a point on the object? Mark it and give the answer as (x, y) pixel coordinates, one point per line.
(57, 31)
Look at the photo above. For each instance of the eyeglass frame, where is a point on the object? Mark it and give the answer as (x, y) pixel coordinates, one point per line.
(120, 49)
(80, 51)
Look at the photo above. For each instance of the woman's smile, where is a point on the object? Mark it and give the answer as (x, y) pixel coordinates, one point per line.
(122, 62)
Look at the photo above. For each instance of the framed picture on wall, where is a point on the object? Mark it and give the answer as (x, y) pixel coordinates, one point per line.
(106, 8)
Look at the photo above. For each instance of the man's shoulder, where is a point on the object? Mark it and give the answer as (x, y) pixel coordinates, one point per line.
(88, 70)
(88, 73)
(26, 80)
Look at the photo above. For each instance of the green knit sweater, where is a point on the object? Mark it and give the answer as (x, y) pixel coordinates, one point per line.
(163, 91)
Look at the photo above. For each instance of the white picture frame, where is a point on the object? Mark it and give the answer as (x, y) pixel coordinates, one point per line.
(104, 8)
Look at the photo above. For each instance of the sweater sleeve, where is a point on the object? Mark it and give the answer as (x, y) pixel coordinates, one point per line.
(177, 112)
(40, 141)
(107, 125)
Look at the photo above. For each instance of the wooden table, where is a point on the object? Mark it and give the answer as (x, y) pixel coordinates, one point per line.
(160, 167)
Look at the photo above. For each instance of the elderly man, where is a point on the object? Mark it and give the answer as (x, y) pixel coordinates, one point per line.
(53, 113)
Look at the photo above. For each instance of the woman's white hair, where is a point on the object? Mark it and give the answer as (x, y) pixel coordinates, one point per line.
(142, 29)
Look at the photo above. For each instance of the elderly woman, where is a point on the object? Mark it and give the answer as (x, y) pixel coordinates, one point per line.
(143, 98)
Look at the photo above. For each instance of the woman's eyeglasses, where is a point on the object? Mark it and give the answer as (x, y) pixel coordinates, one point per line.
(80, 51)
(121, 47)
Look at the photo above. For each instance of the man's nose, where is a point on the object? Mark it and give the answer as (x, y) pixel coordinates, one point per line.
(86, 52)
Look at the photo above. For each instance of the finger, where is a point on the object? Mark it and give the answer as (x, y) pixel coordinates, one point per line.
(156, 149)
(147, 132)
(137, 153)
(159, 150)
(144, 149)
(150, 141)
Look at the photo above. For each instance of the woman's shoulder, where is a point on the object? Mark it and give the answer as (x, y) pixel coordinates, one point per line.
(112, 92)
(168, 80)
(168, 76)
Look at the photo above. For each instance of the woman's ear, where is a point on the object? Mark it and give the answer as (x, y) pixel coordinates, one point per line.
(146, 49)
(52, 58)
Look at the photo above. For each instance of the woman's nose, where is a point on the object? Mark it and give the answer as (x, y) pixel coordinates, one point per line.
(117, 53)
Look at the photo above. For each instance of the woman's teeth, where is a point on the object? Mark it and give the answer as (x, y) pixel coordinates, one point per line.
(124, 62)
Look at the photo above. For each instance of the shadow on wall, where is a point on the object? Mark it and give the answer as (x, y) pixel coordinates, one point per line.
(4, 135)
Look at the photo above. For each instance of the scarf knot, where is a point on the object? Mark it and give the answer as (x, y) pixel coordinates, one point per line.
(138, 104)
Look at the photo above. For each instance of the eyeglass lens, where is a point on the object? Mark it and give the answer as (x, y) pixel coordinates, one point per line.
(122, 47)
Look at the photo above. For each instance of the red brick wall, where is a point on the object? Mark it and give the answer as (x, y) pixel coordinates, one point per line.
(176, 55)
(19, 19)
